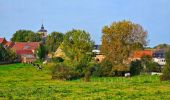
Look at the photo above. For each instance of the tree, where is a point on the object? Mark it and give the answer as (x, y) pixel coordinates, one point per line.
(7, 55)
(76, 45)
(25, 36)
(136, 67)
(3, 53)
(120, 39)
(146, 60)
(53, 41)
(41, 52)
(166, 68)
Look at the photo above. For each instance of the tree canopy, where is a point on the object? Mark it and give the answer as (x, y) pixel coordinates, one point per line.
(77, 44)
(41, 52)
(53, 41)
(25, 36)
(122, 38)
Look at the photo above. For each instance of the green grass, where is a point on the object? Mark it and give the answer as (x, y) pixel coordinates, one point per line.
(19, 81)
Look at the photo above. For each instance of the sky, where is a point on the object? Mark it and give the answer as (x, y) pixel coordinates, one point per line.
(89, 15)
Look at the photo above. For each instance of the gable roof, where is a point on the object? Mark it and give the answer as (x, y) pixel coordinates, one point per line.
(2, 40)
(20, 52)
(139, 54)
(9, 44)
(26, 45)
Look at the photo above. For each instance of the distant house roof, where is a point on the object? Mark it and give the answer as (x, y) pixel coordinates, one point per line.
(159, 53)
(26, 45)
(20, 52)
(3, 40)
(9, 44)
(139, 54)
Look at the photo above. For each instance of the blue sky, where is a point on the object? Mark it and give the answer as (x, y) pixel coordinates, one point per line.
(90, 15)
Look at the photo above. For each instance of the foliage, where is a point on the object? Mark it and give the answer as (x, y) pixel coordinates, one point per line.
(41, 52)
(104, 69)
(57, 59)
(149, 65)
(77, 44)
(53, 41)
(7, 55)
(162, 46)
(153, 67)
(63, 72)
(120, 69)
(135, 67)
(25, 36)
(120, 39)
(166, 68)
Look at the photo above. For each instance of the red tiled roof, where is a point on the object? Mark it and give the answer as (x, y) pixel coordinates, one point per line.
(2, 40)
(26, 45)
(20, 52)
(9, 44)
(139, 54)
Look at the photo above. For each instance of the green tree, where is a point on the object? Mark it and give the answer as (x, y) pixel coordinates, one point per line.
(166, 68)
(7, 55)
(120, 39)
(41, 52)
(3, 53)
(146, 62)
(77, 44)
(53, 41)
(25, 36)
(136, 67)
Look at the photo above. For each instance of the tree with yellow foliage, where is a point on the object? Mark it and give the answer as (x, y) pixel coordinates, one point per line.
(120, 39)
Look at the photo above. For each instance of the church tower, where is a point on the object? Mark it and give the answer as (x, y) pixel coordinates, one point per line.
(43, 32)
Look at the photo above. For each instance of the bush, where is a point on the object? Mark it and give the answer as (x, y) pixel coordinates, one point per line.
(166, 69)
(103, 69)
(166, 73)
(58, 59)
(120, 70)
(153, 67)
(135, 67)
(62, 72)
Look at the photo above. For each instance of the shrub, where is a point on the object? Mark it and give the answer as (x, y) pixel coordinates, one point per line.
(103, 69)
(120, 70)
(153, 67)
(62, 72)
(166, 69)
(135, 67)
(58, 59)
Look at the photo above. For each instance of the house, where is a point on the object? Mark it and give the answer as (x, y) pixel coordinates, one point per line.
(27, 50)
(158, 56)
(97, 54)
(26, 55)
(96, 49)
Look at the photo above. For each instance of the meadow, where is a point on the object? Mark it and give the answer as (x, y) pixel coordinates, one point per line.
(23, 81)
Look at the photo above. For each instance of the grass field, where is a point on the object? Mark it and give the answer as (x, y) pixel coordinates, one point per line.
(18, 81)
